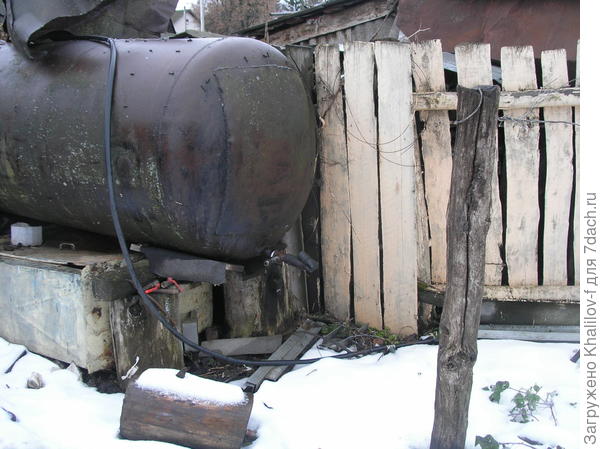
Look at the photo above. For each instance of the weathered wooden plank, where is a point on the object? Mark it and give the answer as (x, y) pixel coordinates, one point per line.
(446, 101)
(294, 278)
(521, 140)
(475, 69)
(300, 343)
(295, 284)
(161, 413)
(244, 346)
(335, 198)
(428, 74)
(330, 23)
(424, 311)
(423, 255)
(258, 305)
(71, 257)
(196, 303)
(140, 339)
(293, 348)
(302, 58)
(397, 186)
(361, 135)
(565, 334)
(559, 172)
(566, 294)
(305, 286)
(576, 229)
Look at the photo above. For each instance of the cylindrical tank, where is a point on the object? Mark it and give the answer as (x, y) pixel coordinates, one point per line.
(213, 141)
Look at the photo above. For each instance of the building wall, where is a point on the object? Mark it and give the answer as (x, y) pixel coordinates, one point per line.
(184, 20)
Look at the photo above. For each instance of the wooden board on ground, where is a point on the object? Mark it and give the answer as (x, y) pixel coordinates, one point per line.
(335, 199)
(361, 134)
(243, 346)
(428, 75)
(397, 187)
(293, 348)
(163, 415)
(559, 172)
(473, 62)
(522, 170)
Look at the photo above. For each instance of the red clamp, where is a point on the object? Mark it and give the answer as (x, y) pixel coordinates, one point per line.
(174, 282)
(152, 287)
(156, 285)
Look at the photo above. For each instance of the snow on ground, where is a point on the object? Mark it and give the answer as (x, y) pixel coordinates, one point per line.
(190, 388)
(377, 401)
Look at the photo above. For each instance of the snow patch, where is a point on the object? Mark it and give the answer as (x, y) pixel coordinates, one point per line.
(190, 388)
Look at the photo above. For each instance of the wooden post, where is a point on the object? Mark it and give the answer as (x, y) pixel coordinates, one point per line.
(468, 224)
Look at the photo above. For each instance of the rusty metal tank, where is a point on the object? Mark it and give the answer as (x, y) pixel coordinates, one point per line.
(213, 141)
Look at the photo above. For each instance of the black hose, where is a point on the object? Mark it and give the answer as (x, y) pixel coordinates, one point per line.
(148, 303)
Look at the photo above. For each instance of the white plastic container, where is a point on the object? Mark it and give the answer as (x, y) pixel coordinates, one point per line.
(25, 235)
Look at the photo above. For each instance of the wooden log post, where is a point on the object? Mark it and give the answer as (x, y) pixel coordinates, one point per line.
(187, 410)
(468, 224)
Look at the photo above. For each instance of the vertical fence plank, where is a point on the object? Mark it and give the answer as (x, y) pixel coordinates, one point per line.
(428, 74)
(295, 280)
(522, 171)
(397, 187)
(361, 136)
(577, 174)
(559, 172)
(335, 200)
(473, 62)
(423, 252)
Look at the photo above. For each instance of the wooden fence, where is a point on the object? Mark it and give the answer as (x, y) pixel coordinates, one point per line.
(385, 162)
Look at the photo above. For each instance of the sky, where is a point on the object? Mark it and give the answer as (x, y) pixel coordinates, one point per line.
(186, 3)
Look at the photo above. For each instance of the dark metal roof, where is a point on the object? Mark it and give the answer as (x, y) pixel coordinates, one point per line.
(543, 24)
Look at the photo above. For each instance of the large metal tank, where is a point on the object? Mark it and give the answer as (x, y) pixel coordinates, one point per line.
(213, 141)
